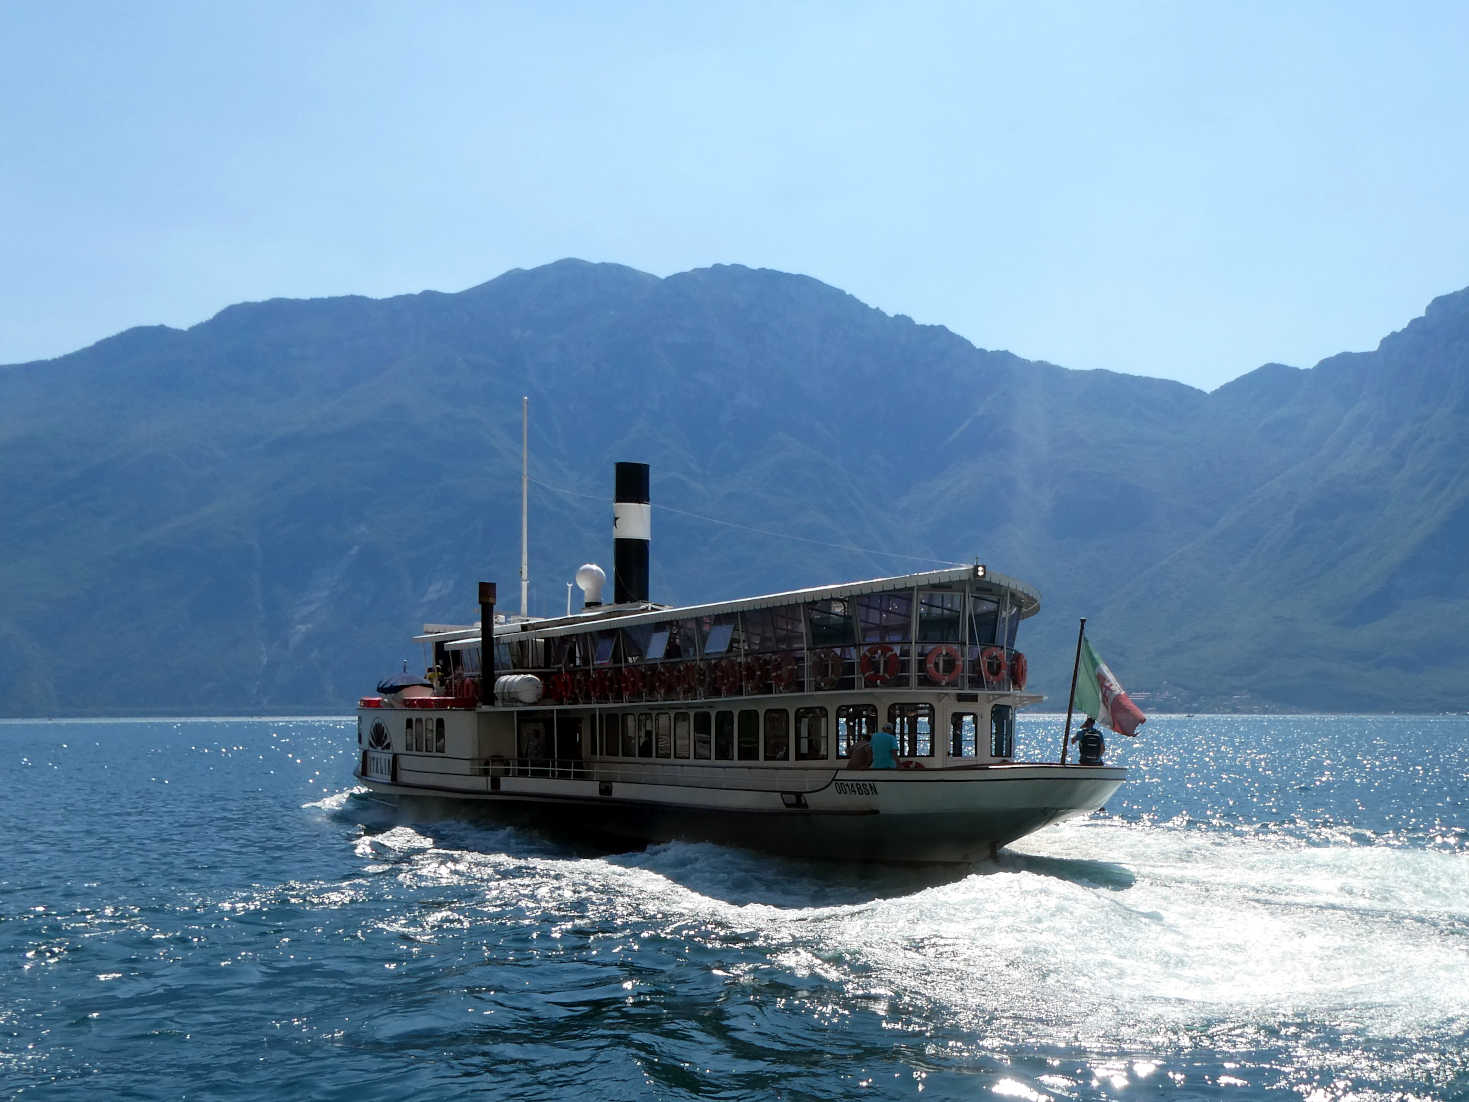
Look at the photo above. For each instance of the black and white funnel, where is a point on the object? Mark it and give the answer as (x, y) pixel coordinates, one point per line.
(632, 525)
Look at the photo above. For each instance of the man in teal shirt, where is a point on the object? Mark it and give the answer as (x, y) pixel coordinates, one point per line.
(884, 746)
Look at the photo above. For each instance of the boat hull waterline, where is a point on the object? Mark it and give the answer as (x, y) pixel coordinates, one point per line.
(878, 815)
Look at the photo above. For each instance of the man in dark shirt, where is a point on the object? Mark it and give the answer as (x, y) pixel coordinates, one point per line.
(1090, 742)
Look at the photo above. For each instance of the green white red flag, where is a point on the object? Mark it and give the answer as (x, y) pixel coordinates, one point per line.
(1099, 694)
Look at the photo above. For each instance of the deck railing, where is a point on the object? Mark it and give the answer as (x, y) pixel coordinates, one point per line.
(832, 669)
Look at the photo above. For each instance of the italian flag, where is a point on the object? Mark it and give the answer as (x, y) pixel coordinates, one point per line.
(1099, 694)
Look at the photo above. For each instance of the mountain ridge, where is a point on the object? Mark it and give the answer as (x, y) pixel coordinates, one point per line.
(240, 497)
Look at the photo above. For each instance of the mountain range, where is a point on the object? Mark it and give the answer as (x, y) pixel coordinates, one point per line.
(254, 514)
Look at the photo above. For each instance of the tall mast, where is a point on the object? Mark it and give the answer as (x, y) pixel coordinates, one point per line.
(524, 500)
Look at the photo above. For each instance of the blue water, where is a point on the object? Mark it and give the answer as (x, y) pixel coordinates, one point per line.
(1271, 907)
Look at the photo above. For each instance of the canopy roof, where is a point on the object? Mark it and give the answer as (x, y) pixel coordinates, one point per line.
(1028, 599)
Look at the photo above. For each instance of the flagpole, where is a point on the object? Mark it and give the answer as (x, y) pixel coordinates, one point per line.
(1071, 700)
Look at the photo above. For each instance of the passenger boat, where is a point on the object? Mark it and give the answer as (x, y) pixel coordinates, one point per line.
(735, 722)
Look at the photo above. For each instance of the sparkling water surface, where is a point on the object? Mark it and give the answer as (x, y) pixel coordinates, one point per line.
(1270, 907)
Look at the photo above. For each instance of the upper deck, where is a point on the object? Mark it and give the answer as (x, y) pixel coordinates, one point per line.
(952, 629)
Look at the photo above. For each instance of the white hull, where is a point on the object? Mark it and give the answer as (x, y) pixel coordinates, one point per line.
(930, 815)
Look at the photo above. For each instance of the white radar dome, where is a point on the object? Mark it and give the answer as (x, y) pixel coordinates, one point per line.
(590, 578)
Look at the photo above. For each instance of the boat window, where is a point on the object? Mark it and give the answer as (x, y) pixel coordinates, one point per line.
(982, 612)
(657, 643)
(606, 642)
(439, 735)
(635, 642)
(629, 735)
(758, 630)
(533, 740)
(567, 653)
(683, 640)
(885, 617)
(418, 734)
(469, 658)
(787, 622)
(913, 724)
(527, 654)
(940, 617)
(408, 733)
(724, 736)
(607, 734)
(777, 735)
(502, 657)
(645, 734)
(854, 720)
(717, 633)
(1009, 621)
(702, 730)
(749, 732)
(810, 734)
(681, 734)
(663, 728)
(963, 735)
(830, 624)
(1002, 731)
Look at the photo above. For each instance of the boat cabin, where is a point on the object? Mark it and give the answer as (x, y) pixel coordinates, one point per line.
(787, 681)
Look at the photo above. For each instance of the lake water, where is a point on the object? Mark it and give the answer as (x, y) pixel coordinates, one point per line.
(1271, 907)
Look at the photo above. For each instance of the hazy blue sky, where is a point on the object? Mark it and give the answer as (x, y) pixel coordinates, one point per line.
(1180, 189)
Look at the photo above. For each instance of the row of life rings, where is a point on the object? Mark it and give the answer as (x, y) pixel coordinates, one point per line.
(944, 663)
(997, 668)
(658, 682)
(879, 664)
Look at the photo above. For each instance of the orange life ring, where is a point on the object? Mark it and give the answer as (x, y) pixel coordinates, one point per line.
(1019, 670)
(992, 663)
(632, 682)
(783, 673)
(939, 671)
(827, 667)
(879, 664)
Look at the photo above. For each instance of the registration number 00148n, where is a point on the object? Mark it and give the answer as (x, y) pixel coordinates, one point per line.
(377, 765)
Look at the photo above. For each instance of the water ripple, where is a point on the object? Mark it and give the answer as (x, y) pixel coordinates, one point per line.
(1271, 905)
